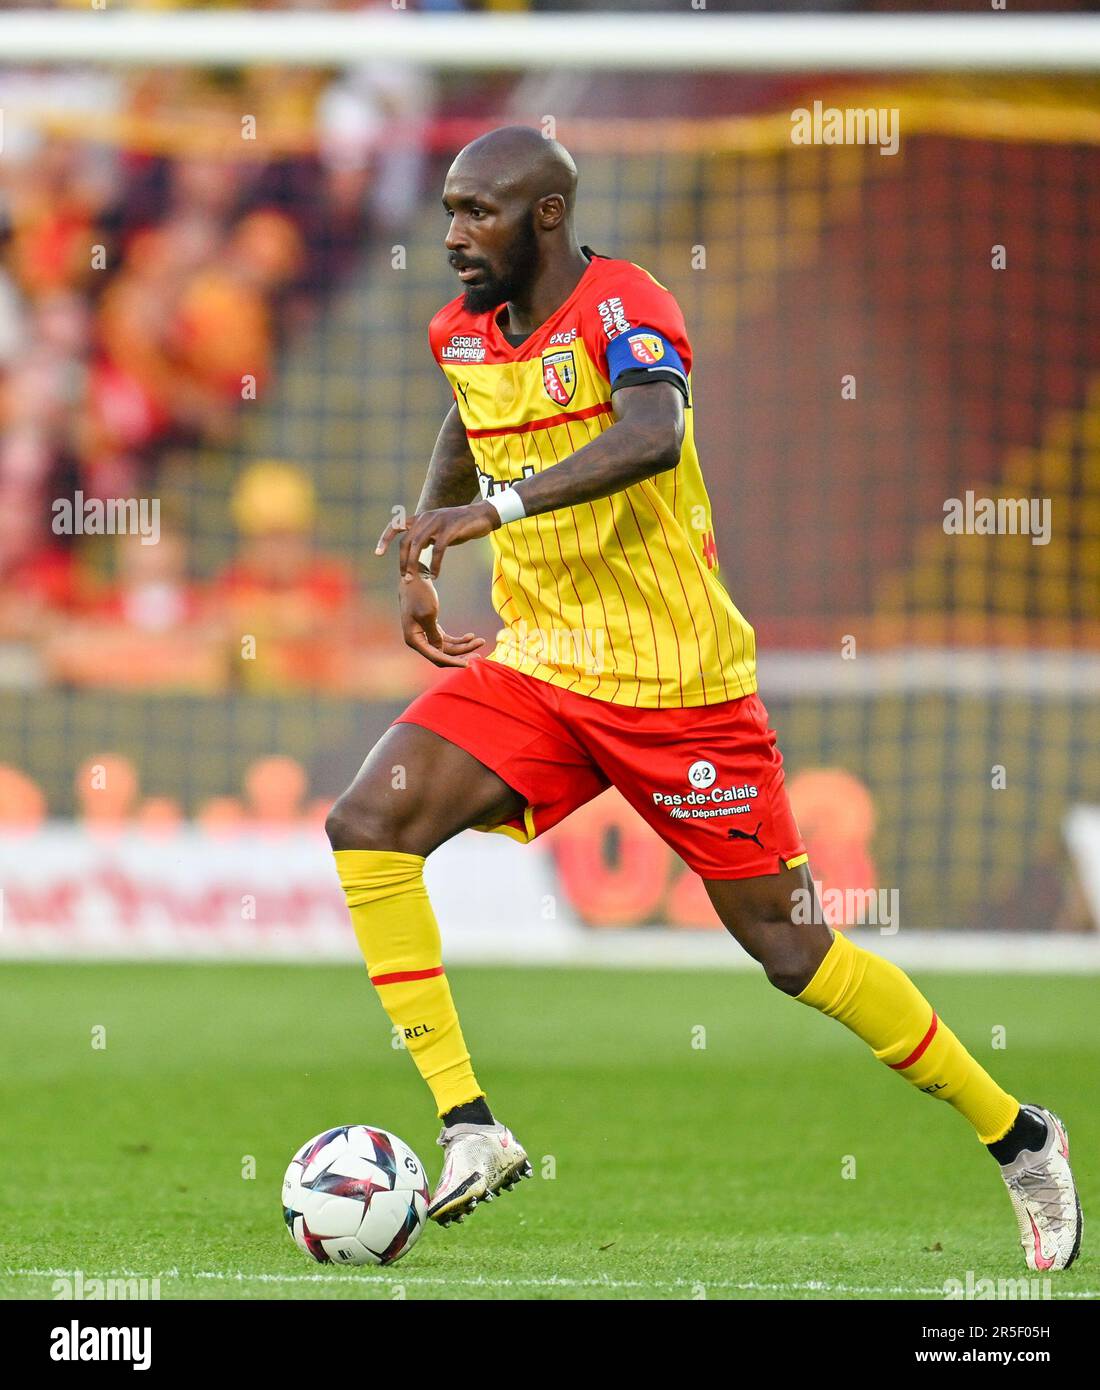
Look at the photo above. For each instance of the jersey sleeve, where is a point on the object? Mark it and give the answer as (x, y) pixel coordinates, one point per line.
(635, 332)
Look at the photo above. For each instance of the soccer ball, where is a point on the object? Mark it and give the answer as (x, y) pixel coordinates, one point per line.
(355, 1196)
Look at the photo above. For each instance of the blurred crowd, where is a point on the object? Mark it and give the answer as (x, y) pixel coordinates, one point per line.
(154, 260)
(109, 799)
(281, 615)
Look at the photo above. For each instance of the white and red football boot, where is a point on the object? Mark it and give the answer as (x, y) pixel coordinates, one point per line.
(479, 1161)
(1044, 1198)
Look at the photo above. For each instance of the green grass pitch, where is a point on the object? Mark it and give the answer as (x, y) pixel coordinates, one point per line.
(663, 1168)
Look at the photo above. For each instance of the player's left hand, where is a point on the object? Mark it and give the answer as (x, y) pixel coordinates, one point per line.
(439, 529)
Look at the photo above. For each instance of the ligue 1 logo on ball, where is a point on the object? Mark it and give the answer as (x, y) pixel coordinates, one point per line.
(701, 774)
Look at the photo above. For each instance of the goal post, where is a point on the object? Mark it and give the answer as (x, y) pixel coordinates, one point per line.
(695, 40)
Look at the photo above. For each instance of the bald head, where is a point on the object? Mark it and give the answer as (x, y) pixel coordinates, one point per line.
(517, 161)
(510, 196)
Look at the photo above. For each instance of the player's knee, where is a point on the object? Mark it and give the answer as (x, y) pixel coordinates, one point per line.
(788, 980)
(357, 824)
(340, 826)
(791, 968)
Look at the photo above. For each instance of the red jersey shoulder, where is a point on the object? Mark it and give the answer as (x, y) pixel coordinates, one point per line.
(624, 296)
(457, 336)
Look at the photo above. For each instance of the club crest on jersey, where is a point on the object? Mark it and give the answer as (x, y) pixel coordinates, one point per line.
(559, 376)
(647, 348)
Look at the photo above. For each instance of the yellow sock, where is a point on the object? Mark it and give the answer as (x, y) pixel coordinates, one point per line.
(881, 1005)
(399, 938)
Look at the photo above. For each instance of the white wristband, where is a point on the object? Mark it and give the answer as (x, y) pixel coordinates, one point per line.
(508, 503)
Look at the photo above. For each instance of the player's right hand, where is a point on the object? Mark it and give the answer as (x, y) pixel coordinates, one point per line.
(421, 630)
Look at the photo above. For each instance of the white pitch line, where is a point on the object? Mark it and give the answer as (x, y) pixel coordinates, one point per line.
(385, 1280)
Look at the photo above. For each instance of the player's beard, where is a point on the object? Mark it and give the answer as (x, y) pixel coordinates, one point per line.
(521, 259)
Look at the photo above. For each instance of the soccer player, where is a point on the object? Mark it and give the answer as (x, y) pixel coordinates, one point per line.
(622, 662)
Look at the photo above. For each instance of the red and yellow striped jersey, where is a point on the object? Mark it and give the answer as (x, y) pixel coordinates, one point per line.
(620, 598)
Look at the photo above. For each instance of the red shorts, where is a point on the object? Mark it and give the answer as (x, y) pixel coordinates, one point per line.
(708, 779)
